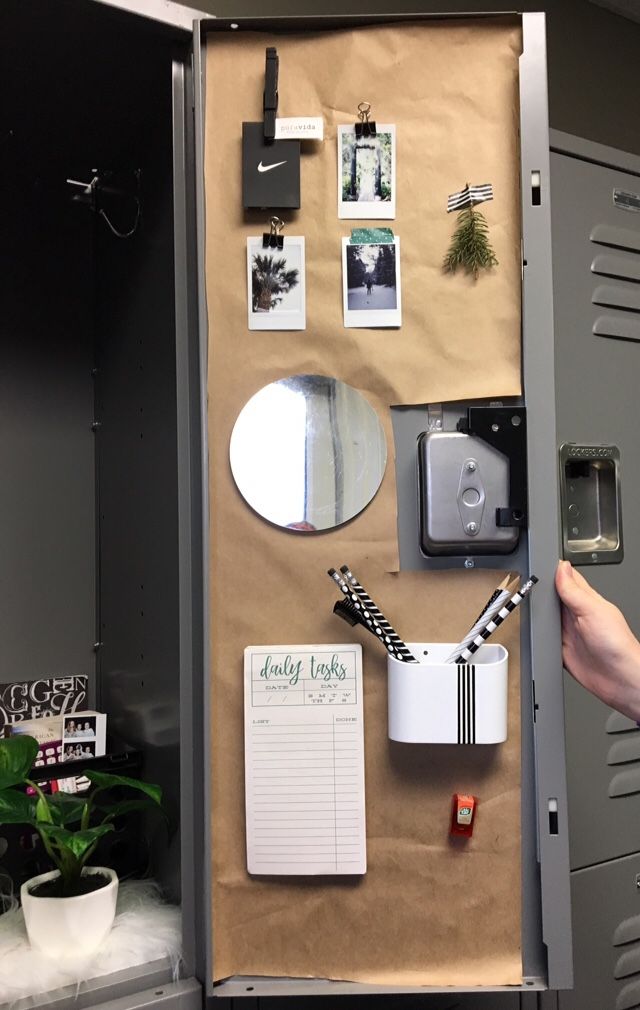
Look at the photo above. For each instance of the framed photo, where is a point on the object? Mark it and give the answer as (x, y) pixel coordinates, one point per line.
(371, 284)
(367, 173)
(275, 285)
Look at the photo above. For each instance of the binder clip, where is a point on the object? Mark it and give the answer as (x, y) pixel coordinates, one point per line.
(366, 127)
(272, 239)
(270, 94)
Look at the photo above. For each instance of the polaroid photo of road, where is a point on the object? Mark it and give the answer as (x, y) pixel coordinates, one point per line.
(367, 174)
(371, 284)
(275, 285)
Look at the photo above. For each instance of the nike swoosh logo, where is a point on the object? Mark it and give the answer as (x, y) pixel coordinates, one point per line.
(267, 168)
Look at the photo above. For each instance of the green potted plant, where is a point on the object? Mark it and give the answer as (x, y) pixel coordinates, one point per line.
(70, 909)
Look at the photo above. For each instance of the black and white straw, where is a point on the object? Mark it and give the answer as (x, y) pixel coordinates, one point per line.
(469, 195)
(370, 609)
(489, 629)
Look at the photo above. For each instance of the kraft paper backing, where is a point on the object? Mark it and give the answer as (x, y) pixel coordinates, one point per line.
(430, 911)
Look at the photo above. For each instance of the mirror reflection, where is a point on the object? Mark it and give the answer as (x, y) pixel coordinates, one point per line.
(308, 452)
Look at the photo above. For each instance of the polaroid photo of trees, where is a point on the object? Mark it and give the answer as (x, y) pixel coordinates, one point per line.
(366, 174)
(371, 283)
(276, 285)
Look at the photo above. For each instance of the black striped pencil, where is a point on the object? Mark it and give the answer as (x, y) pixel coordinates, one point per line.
(370, 608)
(494, 605)
(489, 612)
(339, 581)
(350, 596)
(353, 606)
(508, 608)
(349, 613)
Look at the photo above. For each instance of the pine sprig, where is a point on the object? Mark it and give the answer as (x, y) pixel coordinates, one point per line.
(470, 247)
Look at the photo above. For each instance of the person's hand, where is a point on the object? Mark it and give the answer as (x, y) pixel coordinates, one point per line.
(598, 647)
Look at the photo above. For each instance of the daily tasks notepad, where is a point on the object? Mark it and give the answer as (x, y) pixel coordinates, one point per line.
(304, 759)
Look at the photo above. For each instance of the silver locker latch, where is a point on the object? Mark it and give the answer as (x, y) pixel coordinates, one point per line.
(472, 483)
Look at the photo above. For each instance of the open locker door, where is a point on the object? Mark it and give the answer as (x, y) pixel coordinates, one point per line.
(596, 255)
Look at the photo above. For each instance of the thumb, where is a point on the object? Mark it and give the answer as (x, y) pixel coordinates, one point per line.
(573, 592)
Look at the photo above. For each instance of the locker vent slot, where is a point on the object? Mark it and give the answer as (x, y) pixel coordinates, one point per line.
(617, 297)
(621, 238)
(618, 723)
(629, 997)
(624, 751)
(615, 326)
(627, 932)
(627, 268)
(625, 783)
(628, 963)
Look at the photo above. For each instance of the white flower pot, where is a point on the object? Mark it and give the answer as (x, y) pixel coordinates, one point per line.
(69, 927)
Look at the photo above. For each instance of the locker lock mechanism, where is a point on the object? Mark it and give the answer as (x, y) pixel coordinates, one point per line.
(471, 497)
(504, 428)
(472, 483)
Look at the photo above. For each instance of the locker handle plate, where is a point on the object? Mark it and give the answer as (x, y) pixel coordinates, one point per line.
(591, 504)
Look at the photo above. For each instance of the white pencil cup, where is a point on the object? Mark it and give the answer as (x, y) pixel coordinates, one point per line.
(436, 702)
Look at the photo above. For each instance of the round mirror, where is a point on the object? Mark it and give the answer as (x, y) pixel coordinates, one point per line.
(308, 452)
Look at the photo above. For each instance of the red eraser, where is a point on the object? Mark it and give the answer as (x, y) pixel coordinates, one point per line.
(463, 814)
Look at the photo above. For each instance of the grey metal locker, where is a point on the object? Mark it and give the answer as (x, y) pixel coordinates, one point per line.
(457, 1001)
(606, 924)
(546, 924)
(596, 254)
(596, 249)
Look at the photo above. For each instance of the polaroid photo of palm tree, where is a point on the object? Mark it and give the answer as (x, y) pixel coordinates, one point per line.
(275, 284)
(367, 173)
(371, 284)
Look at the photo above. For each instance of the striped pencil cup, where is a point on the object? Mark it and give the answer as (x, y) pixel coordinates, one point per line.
(436, 702)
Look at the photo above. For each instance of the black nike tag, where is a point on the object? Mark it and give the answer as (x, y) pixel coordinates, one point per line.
(261, 186)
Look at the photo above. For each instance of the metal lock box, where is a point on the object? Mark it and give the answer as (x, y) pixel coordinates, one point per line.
(462, 482)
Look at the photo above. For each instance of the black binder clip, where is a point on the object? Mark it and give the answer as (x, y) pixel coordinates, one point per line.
(270, 96)
(366, 127)
(272, 239)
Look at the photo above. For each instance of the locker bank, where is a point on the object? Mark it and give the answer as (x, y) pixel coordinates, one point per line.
(133, 556)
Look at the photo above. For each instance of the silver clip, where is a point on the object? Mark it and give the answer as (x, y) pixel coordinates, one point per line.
(434, 417)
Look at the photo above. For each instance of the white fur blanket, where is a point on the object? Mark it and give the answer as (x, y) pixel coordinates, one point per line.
(145, 929)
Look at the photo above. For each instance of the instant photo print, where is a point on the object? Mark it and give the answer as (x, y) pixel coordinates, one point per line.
(276, 284)
(371, 283)
(83, 735)
(270, 170)
(367, 173)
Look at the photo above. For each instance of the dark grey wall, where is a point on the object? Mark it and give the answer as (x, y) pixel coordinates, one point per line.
(593, 55)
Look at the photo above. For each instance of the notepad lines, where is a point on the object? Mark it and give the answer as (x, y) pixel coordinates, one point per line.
(305, 785)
